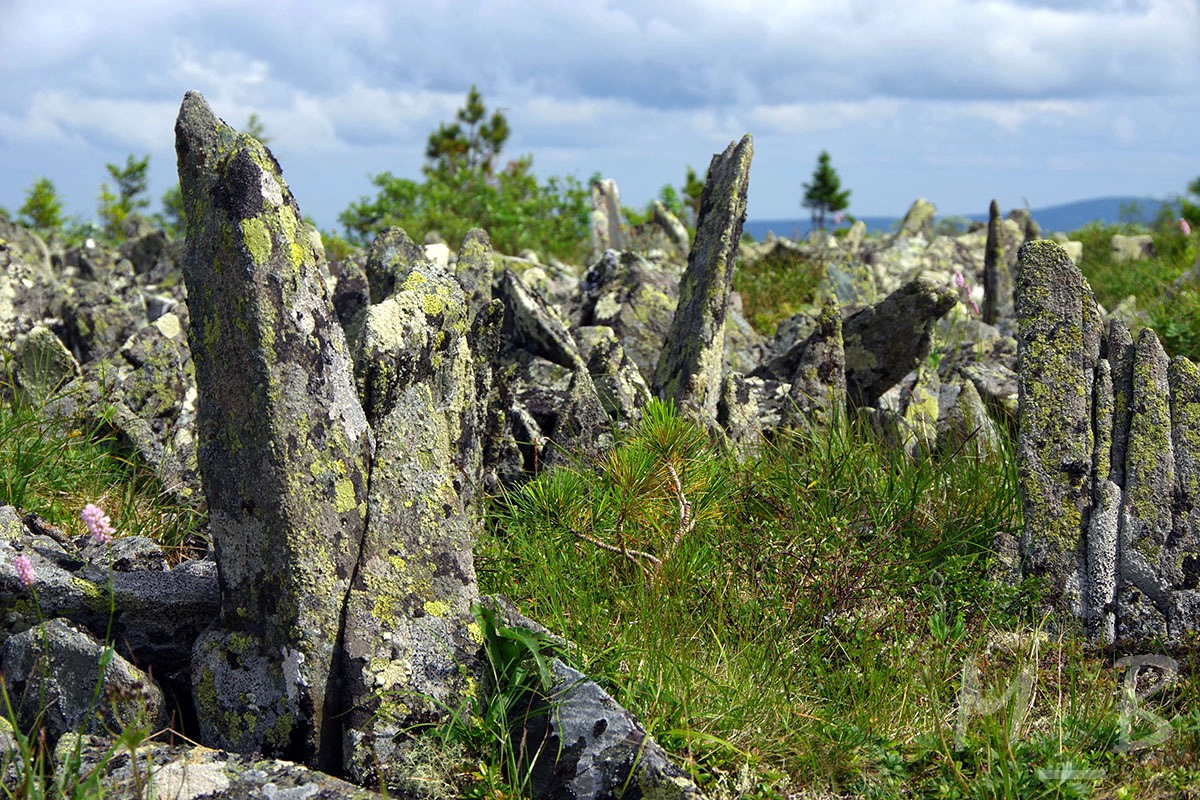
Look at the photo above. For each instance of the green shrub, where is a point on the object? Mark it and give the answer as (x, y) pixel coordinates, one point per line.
(42, 209)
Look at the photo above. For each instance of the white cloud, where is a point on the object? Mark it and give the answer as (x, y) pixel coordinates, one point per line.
(795, 118)
(1013, 115)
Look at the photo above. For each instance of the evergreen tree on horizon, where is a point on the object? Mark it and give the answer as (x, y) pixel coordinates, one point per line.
(825, 194)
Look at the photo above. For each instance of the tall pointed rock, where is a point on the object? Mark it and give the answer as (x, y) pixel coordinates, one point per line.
(283, 446)
(691, 363)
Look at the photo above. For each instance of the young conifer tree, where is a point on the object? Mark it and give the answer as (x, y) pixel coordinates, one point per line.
(825, 195)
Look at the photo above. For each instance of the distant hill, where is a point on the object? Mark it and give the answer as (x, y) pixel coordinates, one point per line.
(1066, 217)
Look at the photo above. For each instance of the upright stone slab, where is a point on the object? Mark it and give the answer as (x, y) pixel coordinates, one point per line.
(1183, 547)
(606, 218)
(1119, 350)
(691, 362)
(474, 270)
(409, 654)
(1145, 524)
(997, 277)
(1054, 443)
(283, 446)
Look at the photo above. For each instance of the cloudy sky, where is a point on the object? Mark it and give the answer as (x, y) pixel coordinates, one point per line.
(958, 101)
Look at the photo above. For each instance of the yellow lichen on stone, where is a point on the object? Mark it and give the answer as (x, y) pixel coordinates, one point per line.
(344, 499)
(257, 239)
(436, 608)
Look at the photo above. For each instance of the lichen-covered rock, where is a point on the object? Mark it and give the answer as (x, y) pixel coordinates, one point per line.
(818, 390)
(284, 445)
(918, 220)
(42, 365)
(998, 259)
(635, 297)
(670, 225)
(619, 383)
(1100, 596)
(1030, 230)
(531, 326)
(589, 748)
(751, 407)
(691, 364)
(51, 673)
(606, 217)
(885, 342)
(1119, 349)
(153, 616)
(183, 772)
(1054, 445)
(409, 654)
(392, 257)
(474, 269)
(1182, 551)
(1132, 248)
(964, 425)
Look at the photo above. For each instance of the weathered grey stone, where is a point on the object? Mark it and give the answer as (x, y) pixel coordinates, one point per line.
(885, 342)
(1146, 520)
(351, 294)
(155, 615)
(672, 227)
(184, 772)
(921, 409)
(530, 325)
(589, 748)
(634, 297)
(1132, 248)
(474, 270)
(818, 390)
(100, 314)
(751, 407)
(284, 446)
(619, 383)
(918, 220)
(691, 363)
(1119, 350)
(997, 272)
(392, 257)
(1054, 444)
(145, 251)
(409, 657)
(51, 674)
(606, 217)
(1030, 229)
(43, 365)
(1100, 598)
(1183, 546)
(1102, 421)
(964, 425)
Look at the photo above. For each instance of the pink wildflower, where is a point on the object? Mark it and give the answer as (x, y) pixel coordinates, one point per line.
(97, 523)
(24, 569)
(1183, 226)
(965, 291)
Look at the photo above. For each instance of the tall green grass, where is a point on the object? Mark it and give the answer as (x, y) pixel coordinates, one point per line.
(55, 466)
(1174, 313)
(809, 630)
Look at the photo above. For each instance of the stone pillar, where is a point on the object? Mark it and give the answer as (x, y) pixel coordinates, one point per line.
(283, 446)
(691, 363)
